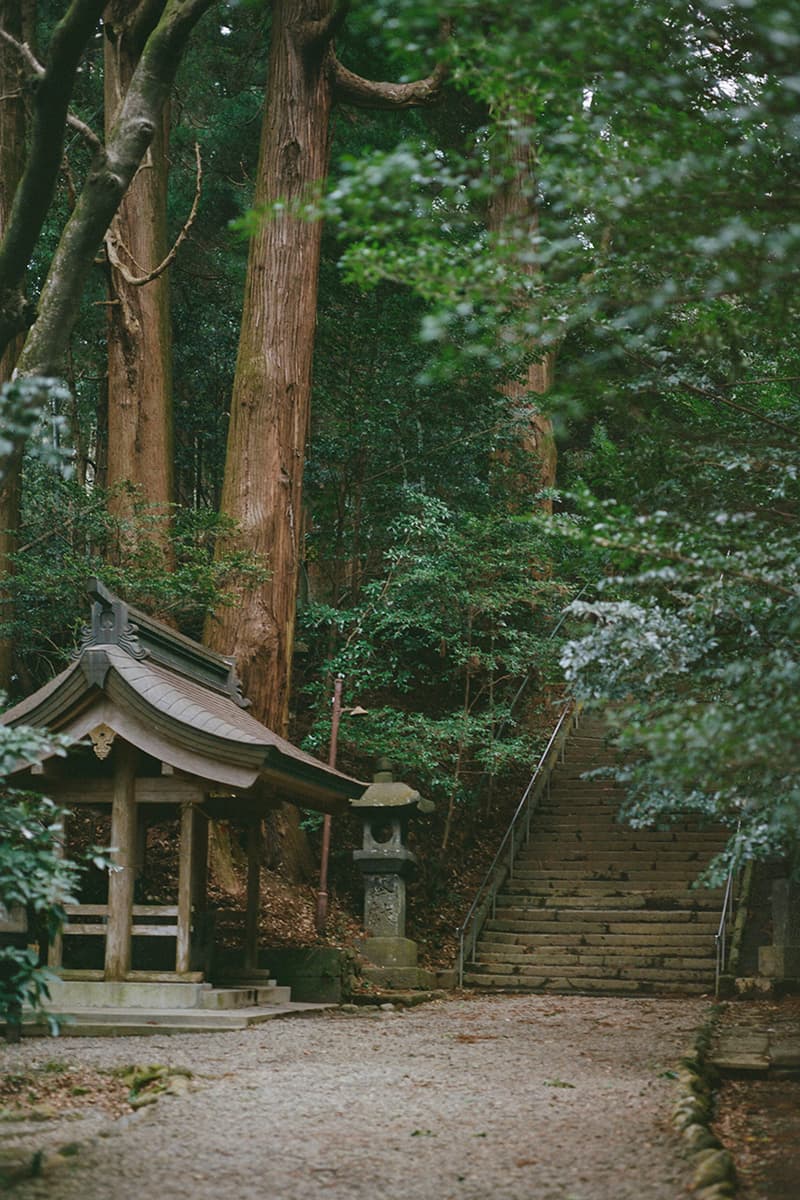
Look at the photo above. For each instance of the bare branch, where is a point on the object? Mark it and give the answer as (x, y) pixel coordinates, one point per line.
(141, 280)
(25, 52)
(369, 93)
(105, 186)
(718, 397)
(37, 185)
(38, 72)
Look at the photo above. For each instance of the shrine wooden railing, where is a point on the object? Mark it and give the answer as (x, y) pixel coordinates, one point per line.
(138, 929)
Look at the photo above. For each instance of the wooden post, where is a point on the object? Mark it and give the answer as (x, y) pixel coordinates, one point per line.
(202, 934)
(55, 948)
(187, 849)
(200, 862)
(253, 895)
(120, 882)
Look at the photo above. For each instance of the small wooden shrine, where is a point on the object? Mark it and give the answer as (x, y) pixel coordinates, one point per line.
(161, 731)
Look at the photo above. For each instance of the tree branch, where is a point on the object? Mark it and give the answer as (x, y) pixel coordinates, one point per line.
(38, 72)
(38, 182)
(719, 398)
(369, 93)
(105, 186)
(141, 280)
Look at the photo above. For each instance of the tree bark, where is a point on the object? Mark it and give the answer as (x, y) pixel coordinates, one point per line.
(12, 150)
(271, 402)
(513, 220)
(140, 436)
(270, 406)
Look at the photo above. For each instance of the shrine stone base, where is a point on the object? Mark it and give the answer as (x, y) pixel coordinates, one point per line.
(392, 963)
(410, 979)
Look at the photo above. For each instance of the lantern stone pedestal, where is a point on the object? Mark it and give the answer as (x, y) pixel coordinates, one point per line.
(780, 962)
(386, 863)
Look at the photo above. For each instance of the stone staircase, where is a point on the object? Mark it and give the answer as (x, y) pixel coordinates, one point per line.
(594, 906)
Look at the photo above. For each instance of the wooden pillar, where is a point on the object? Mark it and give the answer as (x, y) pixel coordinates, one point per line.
(120, 882)
(202, 941)
(187, 849)
(253, 895)
(55, 947)
(200, 862)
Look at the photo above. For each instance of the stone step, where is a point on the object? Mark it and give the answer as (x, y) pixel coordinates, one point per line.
(591, 887)
(612, 958)
(597, 821)
(627, 899)
(533, 856)
(590, 873)
(610, 835)
(595, 905)
(580, 970)
(654, 938)
(245, 997)
(533, 922)
(116, 1022)
(618, 922)
(560, 985)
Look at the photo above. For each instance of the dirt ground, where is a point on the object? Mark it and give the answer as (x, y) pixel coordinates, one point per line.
(521, 1098)
(513, 1098)
(758, 1118)
(759, 1121)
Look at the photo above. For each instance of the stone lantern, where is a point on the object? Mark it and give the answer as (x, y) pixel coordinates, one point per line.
(386, 863)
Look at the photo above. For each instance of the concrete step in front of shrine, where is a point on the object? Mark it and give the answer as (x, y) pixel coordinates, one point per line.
(87, 1007)
(127, 1022)
(594, 906)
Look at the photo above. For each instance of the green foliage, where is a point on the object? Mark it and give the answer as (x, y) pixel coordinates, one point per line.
(439, 642)
(697, 651)
(665, 141)
(29, 415)
(48, 587)
(33, 875)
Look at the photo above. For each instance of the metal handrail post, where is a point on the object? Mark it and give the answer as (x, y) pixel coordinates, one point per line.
(720, 937)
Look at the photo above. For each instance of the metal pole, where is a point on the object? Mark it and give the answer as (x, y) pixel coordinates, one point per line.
(322, 895)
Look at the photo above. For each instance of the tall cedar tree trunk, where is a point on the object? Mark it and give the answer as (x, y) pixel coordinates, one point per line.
(139, 433)
(262, 488)
(271, 401)
(513, 215)
(12, 151)
(270, 406)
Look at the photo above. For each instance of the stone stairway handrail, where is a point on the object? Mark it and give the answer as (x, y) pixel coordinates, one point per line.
(502, 866)
(725, 947)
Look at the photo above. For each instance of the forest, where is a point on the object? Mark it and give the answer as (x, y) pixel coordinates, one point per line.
(450, 347)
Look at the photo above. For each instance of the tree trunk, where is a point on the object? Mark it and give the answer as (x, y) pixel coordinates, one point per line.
(262, 489)
(513, 220)
(270, 406)
(12, 150)
(139, 328)
(271, 402)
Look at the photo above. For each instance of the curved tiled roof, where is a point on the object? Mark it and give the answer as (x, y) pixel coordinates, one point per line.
(164, 699)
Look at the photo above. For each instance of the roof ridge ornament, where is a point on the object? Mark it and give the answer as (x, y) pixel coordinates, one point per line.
(116, 623)
(111, 624)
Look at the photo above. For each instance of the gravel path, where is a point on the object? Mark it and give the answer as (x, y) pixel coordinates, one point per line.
(493, 1098)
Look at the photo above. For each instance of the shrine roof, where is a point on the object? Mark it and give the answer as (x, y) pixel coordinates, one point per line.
(177, 701)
